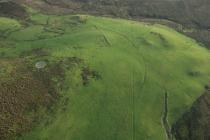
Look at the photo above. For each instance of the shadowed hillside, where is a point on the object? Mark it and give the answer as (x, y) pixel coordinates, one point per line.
(12, 9)
(195, 124)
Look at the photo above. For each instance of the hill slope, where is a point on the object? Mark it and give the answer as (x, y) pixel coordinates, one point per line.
(115, 79)
(195, 123)
(188, 12)
(193, 15)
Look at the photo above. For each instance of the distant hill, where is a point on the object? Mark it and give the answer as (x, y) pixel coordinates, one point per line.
(192, 14)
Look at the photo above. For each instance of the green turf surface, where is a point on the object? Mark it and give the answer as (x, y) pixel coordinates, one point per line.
(137, 62)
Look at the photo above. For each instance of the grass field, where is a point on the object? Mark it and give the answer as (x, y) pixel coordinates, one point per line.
(118, 90)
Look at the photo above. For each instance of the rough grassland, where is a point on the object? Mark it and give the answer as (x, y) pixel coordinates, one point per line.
(117, 91)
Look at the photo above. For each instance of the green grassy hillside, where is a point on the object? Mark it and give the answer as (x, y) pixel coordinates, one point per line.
(120, 71)
(193, 15)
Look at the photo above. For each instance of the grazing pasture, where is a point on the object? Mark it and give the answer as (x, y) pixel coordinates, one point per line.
(114, 79)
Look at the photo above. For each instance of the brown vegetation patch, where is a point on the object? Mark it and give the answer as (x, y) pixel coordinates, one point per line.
(72, 60)
(87, 74)
(22, 93)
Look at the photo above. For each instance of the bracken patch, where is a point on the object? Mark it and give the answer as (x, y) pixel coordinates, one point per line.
(87, 74)
(22, 93)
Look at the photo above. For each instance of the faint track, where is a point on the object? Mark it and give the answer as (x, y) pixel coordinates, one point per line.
(104, 36)
(133, 101)
(135, 46)
(132, 84)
